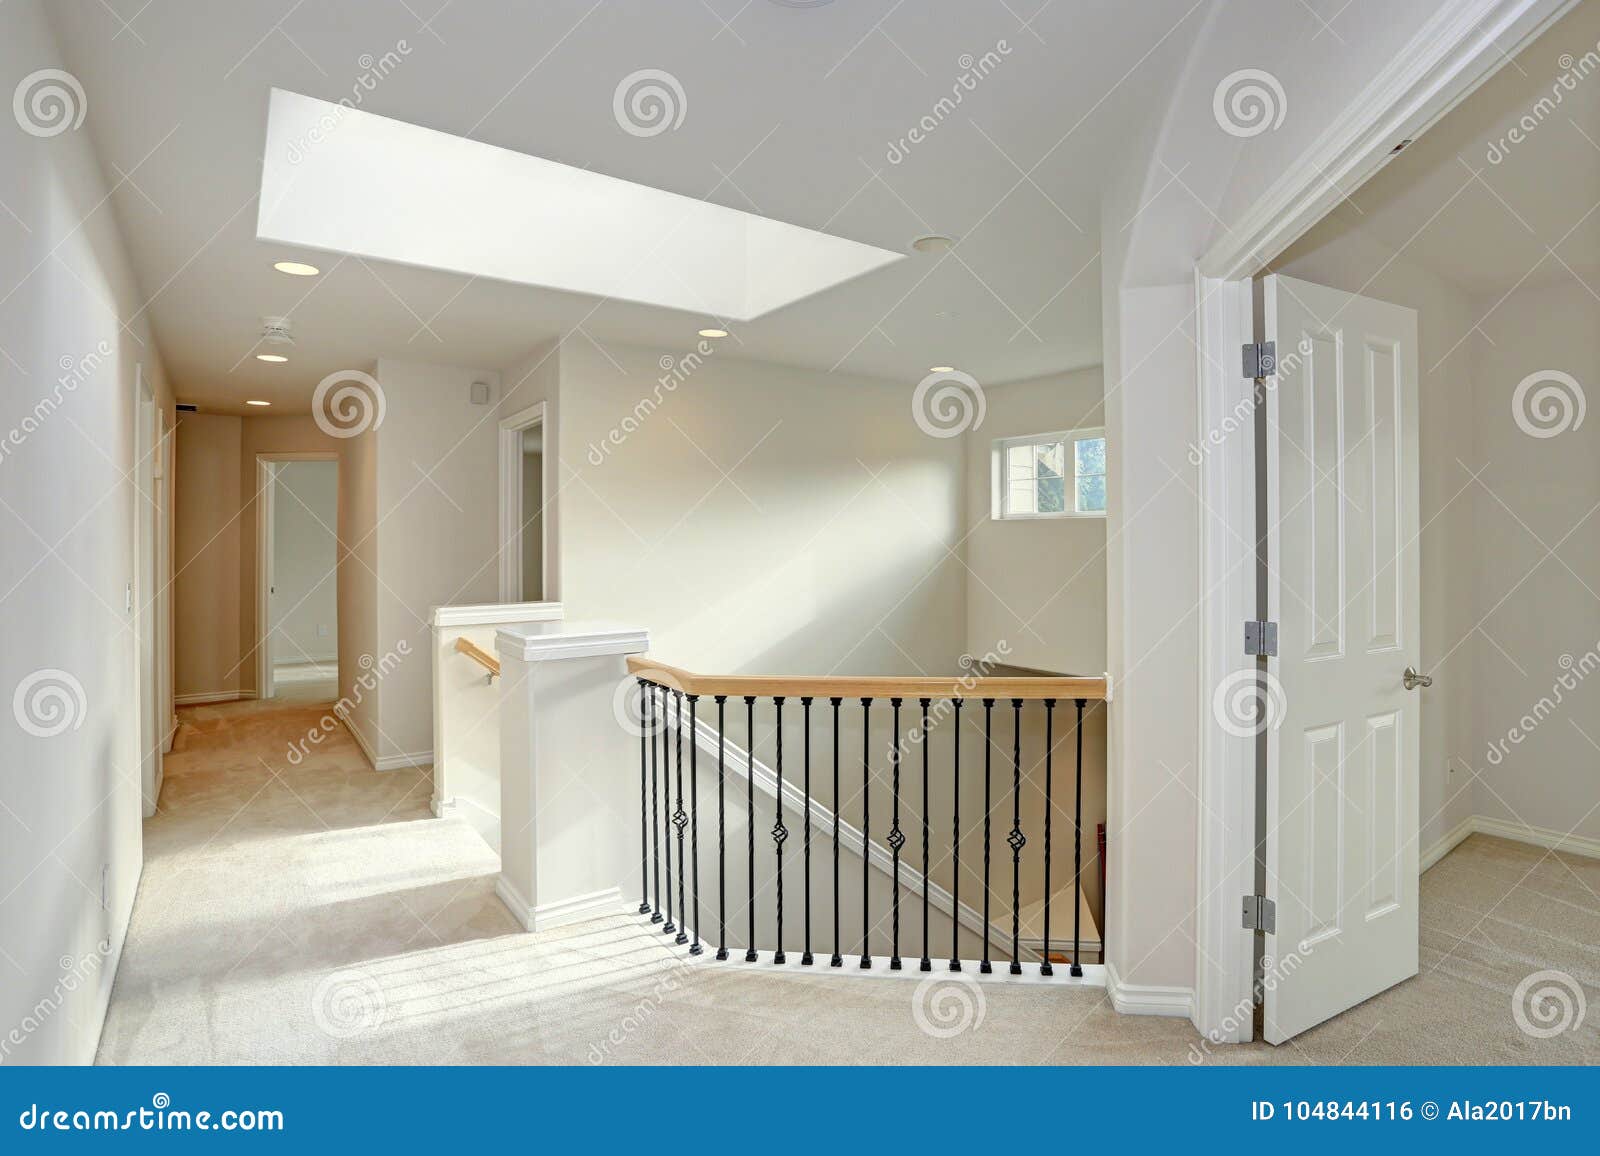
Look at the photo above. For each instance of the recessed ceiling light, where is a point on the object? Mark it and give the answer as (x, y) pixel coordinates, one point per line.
(273, 357)
(933, 243)
(713, 333)
(258, 403)
(296, 268)
(942, 369)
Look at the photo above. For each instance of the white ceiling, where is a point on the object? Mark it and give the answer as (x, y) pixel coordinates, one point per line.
(1529, 217)
(788, 111)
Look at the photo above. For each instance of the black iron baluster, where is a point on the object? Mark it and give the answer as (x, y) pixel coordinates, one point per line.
(866, 824)
(644, 797)
(896, 837)
(988, 746)
(927, 964)
(750, 821)
(680, 820)
(805, 703)
(1077, 858)
(669, 927)
(1049, 751)
(694, 811)
(1017, 839)
(779, 831)
(722, 829)
(837, 960)
(955, 844)
(655, 808)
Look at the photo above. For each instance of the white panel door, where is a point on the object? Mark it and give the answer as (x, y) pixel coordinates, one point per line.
(1344, 587)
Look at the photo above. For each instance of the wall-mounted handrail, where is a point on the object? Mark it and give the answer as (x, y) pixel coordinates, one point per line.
(866, 686)
(479, 655)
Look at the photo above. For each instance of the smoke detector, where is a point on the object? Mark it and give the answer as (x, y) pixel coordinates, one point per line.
(275, 331)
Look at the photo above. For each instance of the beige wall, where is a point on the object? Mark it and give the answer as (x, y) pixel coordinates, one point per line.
(209, 535)
(305, 548)
(358, 580)
(532, 526)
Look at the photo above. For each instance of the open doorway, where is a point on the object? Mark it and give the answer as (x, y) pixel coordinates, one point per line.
(297, 563)
(523, 544)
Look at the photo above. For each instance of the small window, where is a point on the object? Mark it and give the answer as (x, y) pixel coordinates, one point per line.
(1059, 475)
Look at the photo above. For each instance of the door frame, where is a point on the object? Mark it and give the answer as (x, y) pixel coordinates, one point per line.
(149, 491)
(511, 431)
(266, 496)
(1455, 51)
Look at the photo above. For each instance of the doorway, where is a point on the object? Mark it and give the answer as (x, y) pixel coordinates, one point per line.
(297, 655)
(524, 537)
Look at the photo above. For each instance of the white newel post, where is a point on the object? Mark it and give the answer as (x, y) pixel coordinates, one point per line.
(569, 771)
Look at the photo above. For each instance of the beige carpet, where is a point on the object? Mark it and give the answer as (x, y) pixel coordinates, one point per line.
(318, 914)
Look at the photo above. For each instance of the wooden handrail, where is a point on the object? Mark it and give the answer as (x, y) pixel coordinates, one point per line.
(479, 655)
(864, 686)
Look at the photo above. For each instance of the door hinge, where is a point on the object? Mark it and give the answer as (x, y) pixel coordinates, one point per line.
(1261, 639)
(1261, 359)
(1260, 914)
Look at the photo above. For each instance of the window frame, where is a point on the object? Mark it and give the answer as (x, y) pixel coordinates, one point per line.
(998, 488)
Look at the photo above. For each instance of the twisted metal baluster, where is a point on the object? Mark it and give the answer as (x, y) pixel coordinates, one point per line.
(669, 927)
(988, 744)
(680, 820)
(655, 808)
(896, 836)
(750, 821)
(805, 703)
(779, 831)
(1017, 839)
(722, 829)
(1049, 746)
(955, 842)
(694, 831)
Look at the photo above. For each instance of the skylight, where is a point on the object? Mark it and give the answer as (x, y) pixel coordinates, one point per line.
(340, 179)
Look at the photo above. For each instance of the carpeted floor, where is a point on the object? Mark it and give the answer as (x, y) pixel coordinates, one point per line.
(314, 912)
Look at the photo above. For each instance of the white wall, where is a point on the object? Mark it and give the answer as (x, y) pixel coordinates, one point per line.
(757, 517)
(67, 506)
(358, 582)
(1040, 585)
(437, 530)
(305, 548)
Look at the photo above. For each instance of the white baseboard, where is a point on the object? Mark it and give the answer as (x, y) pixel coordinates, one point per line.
(208, 696)
(401, 762)
(361, 740)
(1148, 1000)
(1453, 838)
(1537, 836)
(579, 908)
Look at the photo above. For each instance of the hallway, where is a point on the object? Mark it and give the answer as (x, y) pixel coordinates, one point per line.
(319, 914)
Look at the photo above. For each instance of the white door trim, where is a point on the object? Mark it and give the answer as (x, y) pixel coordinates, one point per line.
(511, 430)
(1455, 51)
